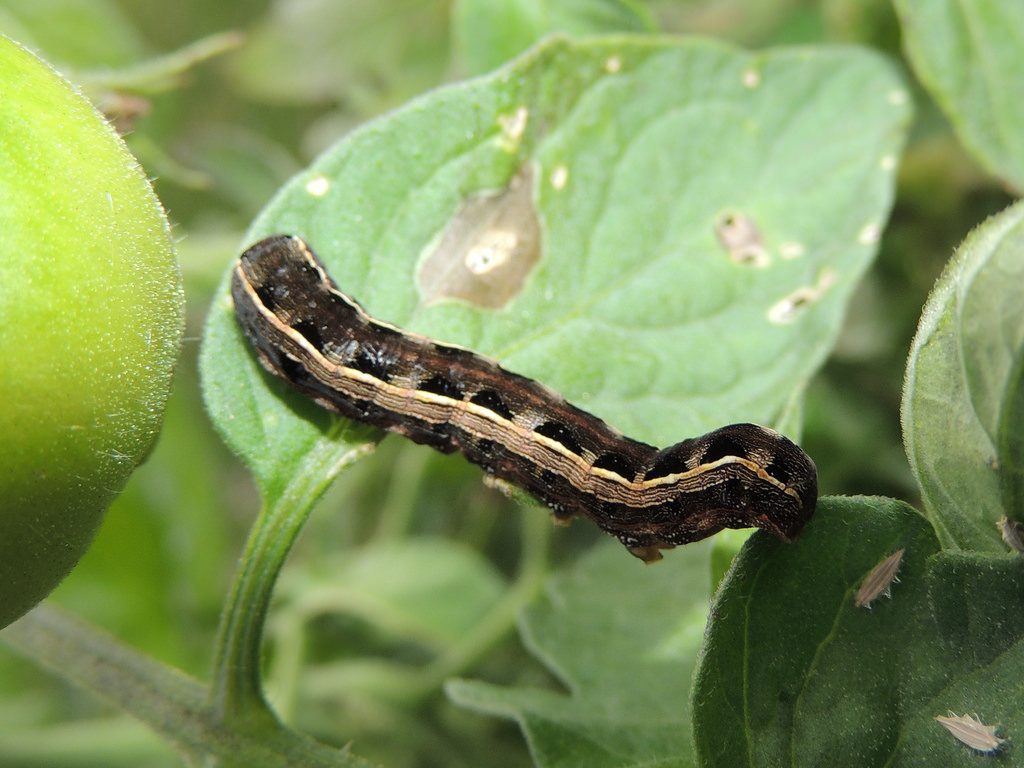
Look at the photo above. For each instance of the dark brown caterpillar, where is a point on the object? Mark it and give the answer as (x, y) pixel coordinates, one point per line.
(325, 345)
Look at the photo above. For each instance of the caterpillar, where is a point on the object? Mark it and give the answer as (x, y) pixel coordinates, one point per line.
(322, 342)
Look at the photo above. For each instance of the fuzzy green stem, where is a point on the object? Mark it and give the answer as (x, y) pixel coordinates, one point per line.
(170, 702)
(237, 690)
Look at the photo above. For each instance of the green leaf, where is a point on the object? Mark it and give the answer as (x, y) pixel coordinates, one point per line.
(963, 404)
(793, 673)
(970, 56)
(490, 32)
(622, 637)
(635, 151)
(439, 593)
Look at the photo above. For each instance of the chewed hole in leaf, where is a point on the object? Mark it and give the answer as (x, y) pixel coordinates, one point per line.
(559, 177)
(898, 97)
(789, 308)
(751, 78)
(870, 234)
(792, 249)
(488, 248)
(513, 126)
(740, 236)
(318, 185)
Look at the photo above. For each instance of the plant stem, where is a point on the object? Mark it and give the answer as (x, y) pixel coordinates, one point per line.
(237, 690)
(400, 502)
(170, 702)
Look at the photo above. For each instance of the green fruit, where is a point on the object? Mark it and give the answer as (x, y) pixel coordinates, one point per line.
(91, 315)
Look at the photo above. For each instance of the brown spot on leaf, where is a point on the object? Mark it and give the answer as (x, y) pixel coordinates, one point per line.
(488, 248)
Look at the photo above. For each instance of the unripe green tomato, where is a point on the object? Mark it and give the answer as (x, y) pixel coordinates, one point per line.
(91, 314)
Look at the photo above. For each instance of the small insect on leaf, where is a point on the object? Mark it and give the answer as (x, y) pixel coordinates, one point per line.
(880, 580)
(972, 732)
(1012, 532)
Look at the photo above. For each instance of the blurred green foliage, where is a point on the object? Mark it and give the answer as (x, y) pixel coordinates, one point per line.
(220, 136)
